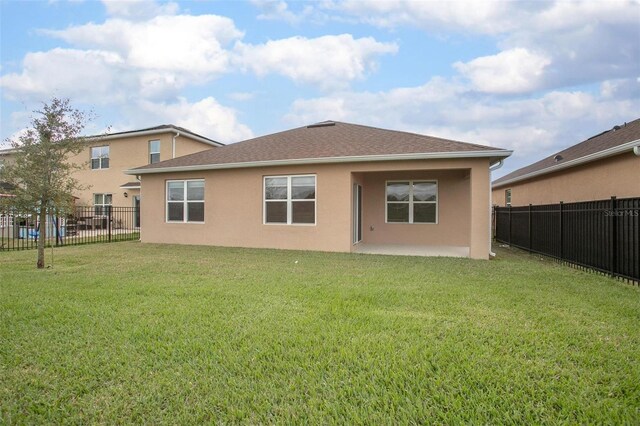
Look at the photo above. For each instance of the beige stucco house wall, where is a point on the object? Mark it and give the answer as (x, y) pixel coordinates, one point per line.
(618, 176)
(234, 207)
(126, 152)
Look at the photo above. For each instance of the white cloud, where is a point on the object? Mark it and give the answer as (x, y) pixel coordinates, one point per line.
(328, 62)
(206, 117)
(139, 9)
(584, 41)
(511, 71)
(278, 10)
(489, 17)
(189, 44)
(81, 74)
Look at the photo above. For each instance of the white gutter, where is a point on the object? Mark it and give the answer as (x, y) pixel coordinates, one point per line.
(633, 145)
(496, 166)
(503, 153)
(156, 132)
(173, 144)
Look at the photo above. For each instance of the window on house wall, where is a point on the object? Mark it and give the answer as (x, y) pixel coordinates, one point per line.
(102, 204)
(100, 157)
(411, 201)
(290, 200)
(507, 197)
(185, 200)
(154, 151)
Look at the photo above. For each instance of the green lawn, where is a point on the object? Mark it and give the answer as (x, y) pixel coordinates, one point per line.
(140, 333)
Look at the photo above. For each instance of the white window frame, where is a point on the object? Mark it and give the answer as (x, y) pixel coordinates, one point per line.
(100, 157)
(154, 152)
(507, 197)
(185, 202)
(103, 206)
(410, 202)
(289, 201)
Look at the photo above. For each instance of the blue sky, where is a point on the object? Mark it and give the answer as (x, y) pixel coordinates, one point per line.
(534, 76)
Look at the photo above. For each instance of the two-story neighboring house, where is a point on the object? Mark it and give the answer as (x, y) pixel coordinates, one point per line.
(105, 159)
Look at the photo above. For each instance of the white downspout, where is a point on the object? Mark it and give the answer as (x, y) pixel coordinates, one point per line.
(491, 169)
(636, 150)
(173, 145)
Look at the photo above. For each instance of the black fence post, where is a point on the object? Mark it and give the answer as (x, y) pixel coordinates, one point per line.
(561, 231)
(56, 223)
(109, 217)
(613, 241)
(509, 224)
(530, 233)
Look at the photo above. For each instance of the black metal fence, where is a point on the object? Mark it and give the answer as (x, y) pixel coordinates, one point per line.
(85, 225)
(602, 235)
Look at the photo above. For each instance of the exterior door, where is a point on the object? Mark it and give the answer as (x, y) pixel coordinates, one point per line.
(357, 213)
(136, 211)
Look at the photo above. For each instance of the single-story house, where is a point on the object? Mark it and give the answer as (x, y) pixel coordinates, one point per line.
(329, 186)
(598, 168)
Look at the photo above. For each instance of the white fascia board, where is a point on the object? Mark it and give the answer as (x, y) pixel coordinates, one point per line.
(156, 132)
(503, 153)
(629, 146)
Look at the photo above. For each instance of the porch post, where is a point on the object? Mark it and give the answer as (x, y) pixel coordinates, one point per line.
(480, 195)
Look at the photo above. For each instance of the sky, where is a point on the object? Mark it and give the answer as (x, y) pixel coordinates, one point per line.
(531, 76)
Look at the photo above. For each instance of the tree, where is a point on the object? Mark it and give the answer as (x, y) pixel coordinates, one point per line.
(41, 174)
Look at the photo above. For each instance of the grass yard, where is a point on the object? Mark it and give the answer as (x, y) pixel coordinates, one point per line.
(137, 333)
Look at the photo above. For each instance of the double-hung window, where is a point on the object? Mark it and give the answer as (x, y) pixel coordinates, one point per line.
(100, 157)
(154, 151)
(102, 204)
(412, 201)
(507, 197)
(290, 200)
(185, 200)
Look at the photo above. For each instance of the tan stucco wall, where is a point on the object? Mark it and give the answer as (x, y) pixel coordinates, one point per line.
(234, 198)
(125, 154)
(453, 210)
(614, 176)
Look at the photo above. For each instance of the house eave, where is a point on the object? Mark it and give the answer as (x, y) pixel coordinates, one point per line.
(157, 132)
(493, 154)
(629, 146)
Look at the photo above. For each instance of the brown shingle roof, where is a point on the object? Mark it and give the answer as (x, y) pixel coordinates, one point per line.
(323, 140)
(617, 136)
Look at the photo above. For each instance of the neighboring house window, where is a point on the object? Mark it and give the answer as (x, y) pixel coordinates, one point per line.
(412, 201)
(290, 200)
(100, 157)
(185, 200)
(507, 197)
(101, 204)
(154, 152)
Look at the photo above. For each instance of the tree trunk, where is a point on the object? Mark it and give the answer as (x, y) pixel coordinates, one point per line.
(42, 235)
